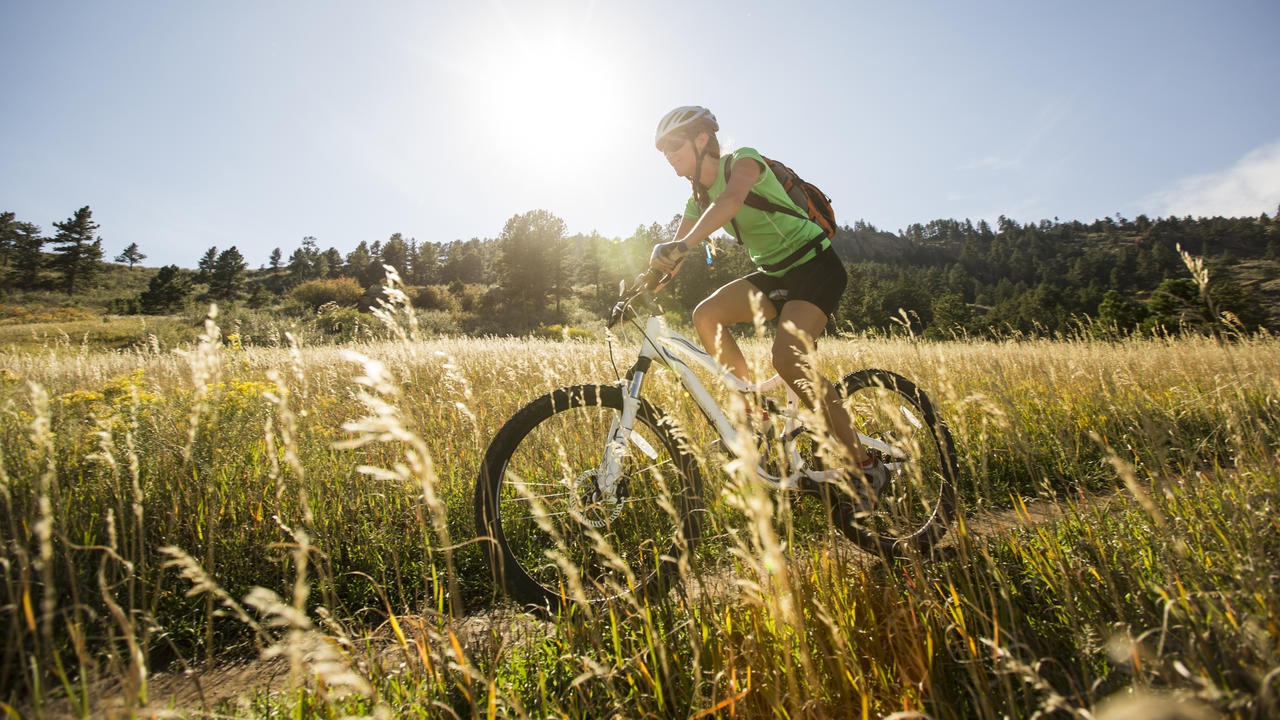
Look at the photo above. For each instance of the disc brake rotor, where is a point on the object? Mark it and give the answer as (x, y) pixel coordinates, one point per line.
(589, 505)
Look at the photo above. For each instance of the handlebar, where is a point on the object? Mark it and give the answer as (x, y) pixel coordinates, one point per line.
(649, 281)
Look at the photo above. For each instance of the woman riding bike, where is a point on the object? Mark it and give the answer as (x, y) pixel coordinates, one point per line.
(798, 280)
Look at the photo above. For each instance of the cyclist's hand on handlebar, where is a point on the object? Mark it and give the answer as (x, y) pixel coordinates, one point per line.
(668, 256)
(649, 281)
(619, 310)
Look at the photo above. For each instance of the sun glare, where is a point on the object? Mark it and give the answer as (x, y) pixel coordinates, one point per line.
(550, 98)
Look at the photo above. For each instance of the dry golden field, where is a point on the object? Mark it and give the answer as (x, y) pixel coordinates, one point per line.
(167, 514)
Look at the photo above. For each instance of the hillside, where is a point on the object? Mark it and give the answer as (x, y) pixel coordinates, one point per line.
(1043, 274)
(946, 276)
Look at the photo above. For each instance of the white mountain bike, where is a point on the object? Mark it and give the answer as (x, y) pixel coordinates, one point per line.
(591, 492)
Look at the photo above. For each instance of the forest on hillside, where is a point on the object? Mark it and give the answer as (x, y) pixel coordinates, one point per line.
(939, 279)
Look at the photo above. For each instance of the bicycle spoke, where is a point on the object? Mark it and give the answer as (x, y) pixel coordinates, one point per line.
(899, 426)
(549, 500)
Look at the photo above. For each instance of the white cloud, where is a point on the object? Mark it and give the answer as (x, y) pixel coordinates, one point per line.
(1248, 188)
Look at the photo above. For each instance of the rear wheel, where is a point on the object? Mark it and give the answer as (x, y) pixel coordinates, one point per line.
(912, 511)
(554, 533)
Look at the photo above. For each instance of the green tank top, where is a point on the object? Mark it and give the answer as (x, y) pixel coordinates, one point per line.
(768, 236)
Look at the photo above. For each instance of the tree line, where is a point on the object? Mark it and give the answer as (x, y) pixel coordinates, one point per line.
(941, 278)
(76, 251)
(1045, 277)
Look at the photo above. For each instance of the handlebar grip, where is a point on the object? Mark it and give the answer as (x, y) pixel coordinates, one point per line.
(648, 281)
(618, 311)
(675, 251)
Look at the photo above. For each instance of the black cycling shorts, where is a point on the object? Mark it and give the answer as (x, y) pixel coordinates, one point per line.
(820, 281)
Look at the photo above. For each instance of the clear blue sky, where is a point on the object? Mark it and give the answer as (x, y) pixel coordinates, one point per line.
(186, 125)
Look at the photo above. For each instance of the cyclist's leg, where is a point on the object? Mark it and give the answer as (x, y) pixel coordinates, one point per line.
(799, 324)
(727, 306)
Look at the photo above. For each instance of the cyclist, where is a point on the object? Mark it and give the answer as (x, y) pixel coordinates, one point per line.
(797, 273)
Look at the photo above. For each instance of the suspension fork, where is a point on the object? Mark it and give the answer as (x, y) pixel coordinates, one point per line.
(615, 445)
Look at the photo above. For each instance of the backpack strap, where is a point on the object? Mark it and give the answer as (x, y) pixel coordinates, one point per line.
(814, 244)
(737, 233)
(761, 203)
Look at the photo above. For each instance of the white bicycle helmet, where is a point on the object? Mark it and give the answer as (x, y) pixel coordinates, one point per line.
(685, 117)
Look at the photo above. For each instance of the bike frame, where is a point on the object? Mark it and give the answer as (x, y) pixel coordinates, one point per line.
(662, 343)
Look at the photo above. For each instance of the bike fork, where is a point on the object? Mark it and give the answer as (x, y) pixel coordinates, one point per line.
(615, 448)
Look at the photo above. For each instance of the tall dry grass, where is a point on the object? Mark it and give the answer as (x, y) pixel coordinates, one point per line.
(168, 511)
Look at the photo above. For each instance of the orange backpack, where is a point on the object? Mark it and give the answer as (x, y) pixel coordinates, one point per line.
(805, 195)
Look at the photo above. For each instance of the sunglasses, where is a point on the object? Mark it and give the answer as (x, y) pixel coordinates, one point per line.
(672, 143)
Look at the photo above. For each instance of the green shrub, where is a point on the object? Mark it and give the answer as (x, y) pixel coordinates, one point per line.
(167, 290)
(341, 291)
(342, 323)
(436, 297)
(561, 332)
(439, 322)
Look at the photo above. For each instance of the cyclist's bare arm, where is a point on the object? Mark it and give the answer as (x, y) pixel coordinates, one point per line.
(743, 176)
(686, 224)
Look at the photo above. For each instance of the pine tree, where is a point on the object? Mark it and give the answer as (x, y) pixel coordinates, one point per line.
(357, 263)
(304, 263)
(77, 251)
(530, 260)
(274, 260)
(299, 267)
(1120, 312)
(27, 258)
(167, 290)
(332, 262)
(227, 279)
(464, 262)
(591, 264)
(8, 234)
(951, 316)
(396, 254)
(204, 269)
(131, 255)
(425, 262)
(1176, 305)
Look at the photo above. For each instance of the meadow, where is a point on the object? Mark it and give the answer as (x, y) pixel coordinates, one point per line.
(169, 512)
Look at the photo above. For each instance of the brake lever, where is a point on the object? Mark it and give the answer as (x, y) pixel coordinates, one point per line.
(617, 313)
(648, 281)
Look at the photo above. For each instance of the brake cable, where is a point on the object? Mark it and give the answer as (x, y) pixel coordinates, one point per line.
(626, 298)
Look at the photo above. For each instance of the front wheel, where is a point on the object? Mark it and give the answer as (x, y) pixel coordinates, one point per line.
(556, 530)
(912, 511)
